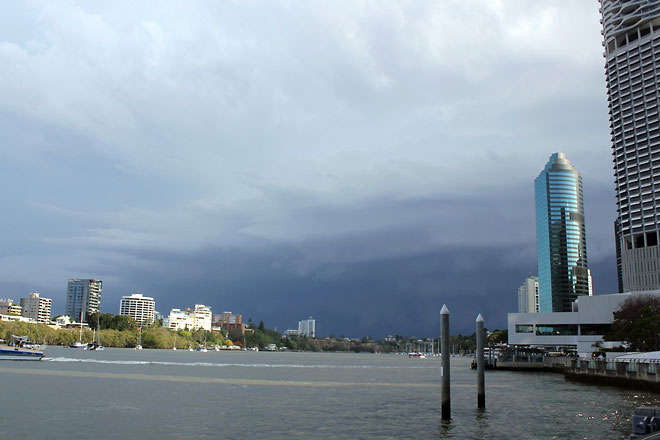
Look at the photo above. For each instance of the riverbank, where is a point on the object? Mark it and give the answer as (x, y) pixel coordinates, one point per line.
(638, 371)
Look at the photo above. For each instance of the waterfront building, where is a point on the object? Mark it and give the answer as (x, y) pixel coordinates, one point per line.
(631, 32)
(83, 296)
(199, 317)
(291, 332)
(582, 328)
(139, 307)
(36, 308)
(307, 327)
(561, 236)
(528, 295)
(8, 307)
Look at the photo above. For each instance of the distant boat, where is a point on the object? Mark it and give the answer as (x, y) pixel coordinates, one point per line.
(20, 349)
(174, 346)
(138, 346)
(190, 348)
(79, 343)
(96, 340)
(416, 355)
(202, 349)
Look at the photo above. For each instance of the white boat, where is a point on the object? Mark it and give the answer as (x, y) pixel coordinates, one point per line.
(138, 346)
(78, 344)
(19, 348)
(216, 348)
(190, 348)
(202, 349)
(416, 355)
(174, 346)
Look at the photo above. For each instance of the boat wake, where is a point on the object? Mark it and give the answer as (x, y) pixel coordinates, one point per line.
(212, 364)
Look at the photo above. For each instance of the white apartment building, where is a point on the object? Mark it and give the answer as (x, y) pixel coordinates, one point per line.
(36, 308)
(199, 317)
(307, 327)
(202, 317)
(528, 295)
(139, 307)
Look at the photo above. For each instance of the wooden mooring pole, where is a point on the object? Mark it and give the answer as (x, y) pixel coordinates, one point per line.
(481, 388)
(444, 369)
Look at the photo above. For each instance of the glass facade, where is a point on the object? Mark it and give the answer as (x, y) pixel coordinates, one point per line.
(631, 33)
(561, 236)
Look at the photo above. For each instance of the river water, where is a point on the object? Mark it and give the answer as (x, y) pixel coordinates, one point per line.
(163, 394)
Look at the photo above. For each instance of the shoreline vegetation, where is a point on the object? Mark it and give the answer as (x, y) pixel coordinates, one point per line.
(122, 332)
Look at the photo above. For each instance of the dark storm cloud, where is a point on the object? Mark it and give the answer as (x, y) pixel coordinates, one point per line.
(359, 162)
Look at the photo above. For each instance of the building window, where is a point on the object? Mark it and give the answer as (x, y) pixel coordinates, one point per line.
(524, 328)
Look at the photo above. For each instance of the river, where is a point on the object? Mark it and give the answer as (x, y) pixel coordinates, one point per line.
(164, 394)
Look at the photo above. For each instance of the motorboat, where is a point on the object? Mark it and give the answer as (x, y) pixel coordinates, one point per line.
(78, 344)
(416, 355)
(20, 349)
(202, 349)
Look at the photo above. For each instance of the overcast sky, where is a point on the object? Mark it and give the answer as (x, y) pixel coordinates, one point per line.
(362, 162)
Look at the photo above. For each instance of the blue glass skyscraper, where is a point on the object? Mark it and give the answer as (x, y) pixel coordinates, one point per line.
(561, 237)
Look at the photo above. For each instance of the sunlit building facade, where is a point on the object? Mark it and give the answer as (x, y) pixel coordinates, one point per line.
(36, 307)
(139, 307)
(528, 295)
(631, 32)
(307, 327)
(561, 236)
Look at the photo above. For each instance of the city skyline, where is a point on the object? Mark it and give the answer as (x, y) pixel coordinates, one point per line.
(356, 163)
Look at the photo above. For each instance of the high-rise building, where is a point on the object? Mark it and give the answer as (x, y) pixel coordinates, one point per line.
(83, 296)
(36, 308)
(307, 327)
(560, 234)
(631, 31)
(528, 296)
(141, 308)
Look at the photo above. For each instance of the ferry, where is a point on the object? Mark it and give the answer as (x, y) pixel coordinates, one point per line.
(20, 349)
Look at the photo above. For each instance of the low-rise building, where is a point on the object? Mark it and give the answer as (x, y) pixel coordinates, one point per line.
(139, 307)
(36, 308)
(582, 328)
(18, 318)
(8, 307)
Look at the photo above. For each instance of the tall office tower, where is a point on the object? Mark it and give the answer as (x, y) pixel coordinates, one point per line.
(631, 31)
(528, 296)
(83, 296)
(560, 235)
(36, 308)
(141, 308)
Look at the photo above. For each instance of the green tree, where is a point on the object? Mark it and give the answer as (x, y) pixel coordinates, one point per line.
(637, 322)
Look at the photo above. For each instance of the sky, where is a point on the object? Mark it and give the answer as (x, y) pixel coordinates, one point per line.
(361, 162)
